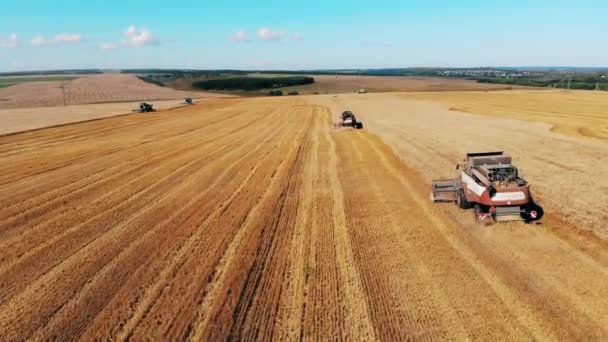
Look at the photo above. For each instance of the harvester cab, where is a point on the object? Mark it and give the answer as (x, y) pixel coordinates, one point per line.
(491, 185)
(348, 119)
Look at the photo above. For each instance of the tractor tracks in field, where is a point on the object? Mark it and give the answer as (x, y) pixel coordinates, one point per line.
(268, 139)
(241, 222)
(182, 245)
(114, 203)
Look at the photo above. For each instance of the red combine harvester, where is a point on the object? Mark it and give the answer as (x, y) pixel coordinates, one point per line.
(348, 119)
(491, 185)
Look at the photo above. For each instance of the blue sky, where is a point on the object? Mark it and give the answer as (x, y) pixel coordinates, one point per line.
(305, 34)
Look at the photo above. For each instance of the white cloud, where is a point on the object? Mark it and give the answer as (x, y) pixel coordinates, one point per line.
(141, 37)
(239, 36)
(132, 37)
(62, 38)
(268, 35)
(67, 38)
(9, 43)
(297, 37)
(108, 46)
(38, 41)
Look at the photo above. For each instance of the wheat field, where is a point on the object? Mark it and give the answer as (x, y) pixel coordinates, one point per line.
(255, 219)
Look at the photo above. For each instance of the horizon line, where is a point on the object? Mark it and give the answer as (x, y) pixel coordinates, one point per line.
(545, 67)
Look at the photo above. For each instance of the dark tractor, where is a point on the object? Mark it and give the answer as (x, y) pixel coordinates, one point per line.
(144, 108)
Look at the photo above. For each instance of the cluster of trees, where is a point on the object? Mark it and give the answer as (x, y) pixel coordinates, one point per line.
(151, 80)
(178, 73)
(586, 83)
(580, 78)
(252, 83)
(361, 72)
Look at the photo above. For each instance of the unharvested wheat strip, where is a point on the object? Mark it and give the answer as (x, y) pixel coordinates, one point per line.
(522, 311)
(592, 306)
(556, 319)
(205, 309)
(598, 260)
(182, 249)
(288, 325)
(357, 310)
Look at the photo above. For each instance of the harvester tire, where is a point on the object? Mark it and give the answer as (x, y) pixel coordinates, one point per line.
(462, 200)
(476, 213)
(479, 212)
(529, 208)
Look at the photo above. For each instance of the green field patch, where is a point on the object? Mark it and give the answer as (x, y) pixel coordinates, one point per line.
(9, 81)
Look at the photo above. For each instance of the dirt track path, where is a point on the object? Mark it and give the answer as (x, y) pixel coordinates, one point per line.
(228, 220)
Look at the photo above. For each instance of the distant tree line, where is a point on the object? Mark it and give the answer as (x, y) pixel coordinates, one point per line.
(583, 83)
(151, 80)
(178, 73)
(252, 83)
(361, 72)
(228, 79)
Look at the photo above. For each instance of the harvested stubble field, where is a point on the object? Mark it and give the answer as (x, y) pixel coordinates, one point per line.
(26, 119)
(252, 218)
(87, 89)
(351, 84)
(31, 118)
